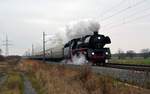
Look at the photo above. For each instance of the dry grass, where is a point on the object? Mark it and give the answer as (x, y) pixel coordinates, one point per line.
(61, 80)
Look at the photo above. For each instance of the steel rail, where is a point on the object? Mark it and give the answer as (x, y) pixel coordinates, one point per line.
(129, 66)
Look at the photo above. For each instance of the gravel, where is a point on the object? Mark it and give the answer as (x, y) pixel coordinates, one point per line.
(137, 77)
(28, 88)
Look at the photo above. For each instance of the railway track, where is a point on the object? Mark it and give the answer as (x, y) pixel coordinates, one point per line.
(135, 67)
(129, 66)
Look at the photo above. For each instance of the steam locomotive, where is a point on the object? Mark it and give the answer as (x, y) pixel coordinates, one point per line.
(91, 46)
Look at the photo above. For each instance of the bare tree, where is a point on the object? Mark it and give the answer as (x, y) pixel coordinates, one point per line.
(145, 53)
(130, 53)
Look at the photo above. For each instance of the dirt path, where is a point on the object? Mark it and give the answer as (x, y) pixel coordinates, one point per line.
(12, 81)
(28, 88)
(3, 79)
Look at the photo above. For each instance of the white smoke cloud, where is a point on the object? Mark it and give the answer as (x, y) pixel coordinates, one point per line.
(81, 28)
(77, 29)
(74, 29)
(78, 60)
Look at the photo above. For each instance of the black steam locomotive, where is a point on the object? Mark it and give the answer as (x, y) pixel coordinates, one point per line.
(91, 46)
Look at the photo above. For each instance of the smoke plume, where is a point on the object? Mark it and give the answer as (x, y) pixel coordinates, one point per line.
(78, 60)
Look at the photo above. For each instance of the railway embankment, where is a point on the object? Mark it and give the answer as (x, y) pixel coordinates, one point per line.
(131, 76)
(141, 78)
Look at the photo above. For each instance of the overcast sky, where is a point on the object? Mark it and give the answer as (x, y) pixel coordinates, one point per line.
(127, 22)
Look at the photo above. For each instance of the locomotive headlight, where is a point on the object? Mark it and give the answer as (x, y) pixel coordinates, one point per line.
(93, 53)
(106, 61)
(106, 53)
(99, 37)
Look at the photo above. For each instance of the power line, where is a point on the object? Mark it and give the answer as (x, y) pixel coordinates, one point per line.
(113, 7)
(129, 16)
(116, 25)
(123, 10)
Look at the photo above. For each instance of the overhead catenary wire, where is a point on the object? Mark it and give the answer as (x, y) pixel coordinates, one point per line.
(124, 10)
(120, 24)
(112, 8)
(129, 16)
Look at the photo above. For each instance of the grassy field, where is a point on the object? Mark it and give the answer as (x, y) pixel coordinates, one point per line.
(130, 61)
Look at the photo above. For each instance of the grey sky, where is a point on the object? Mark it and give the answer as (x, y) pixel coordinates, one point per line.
(25, 20)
